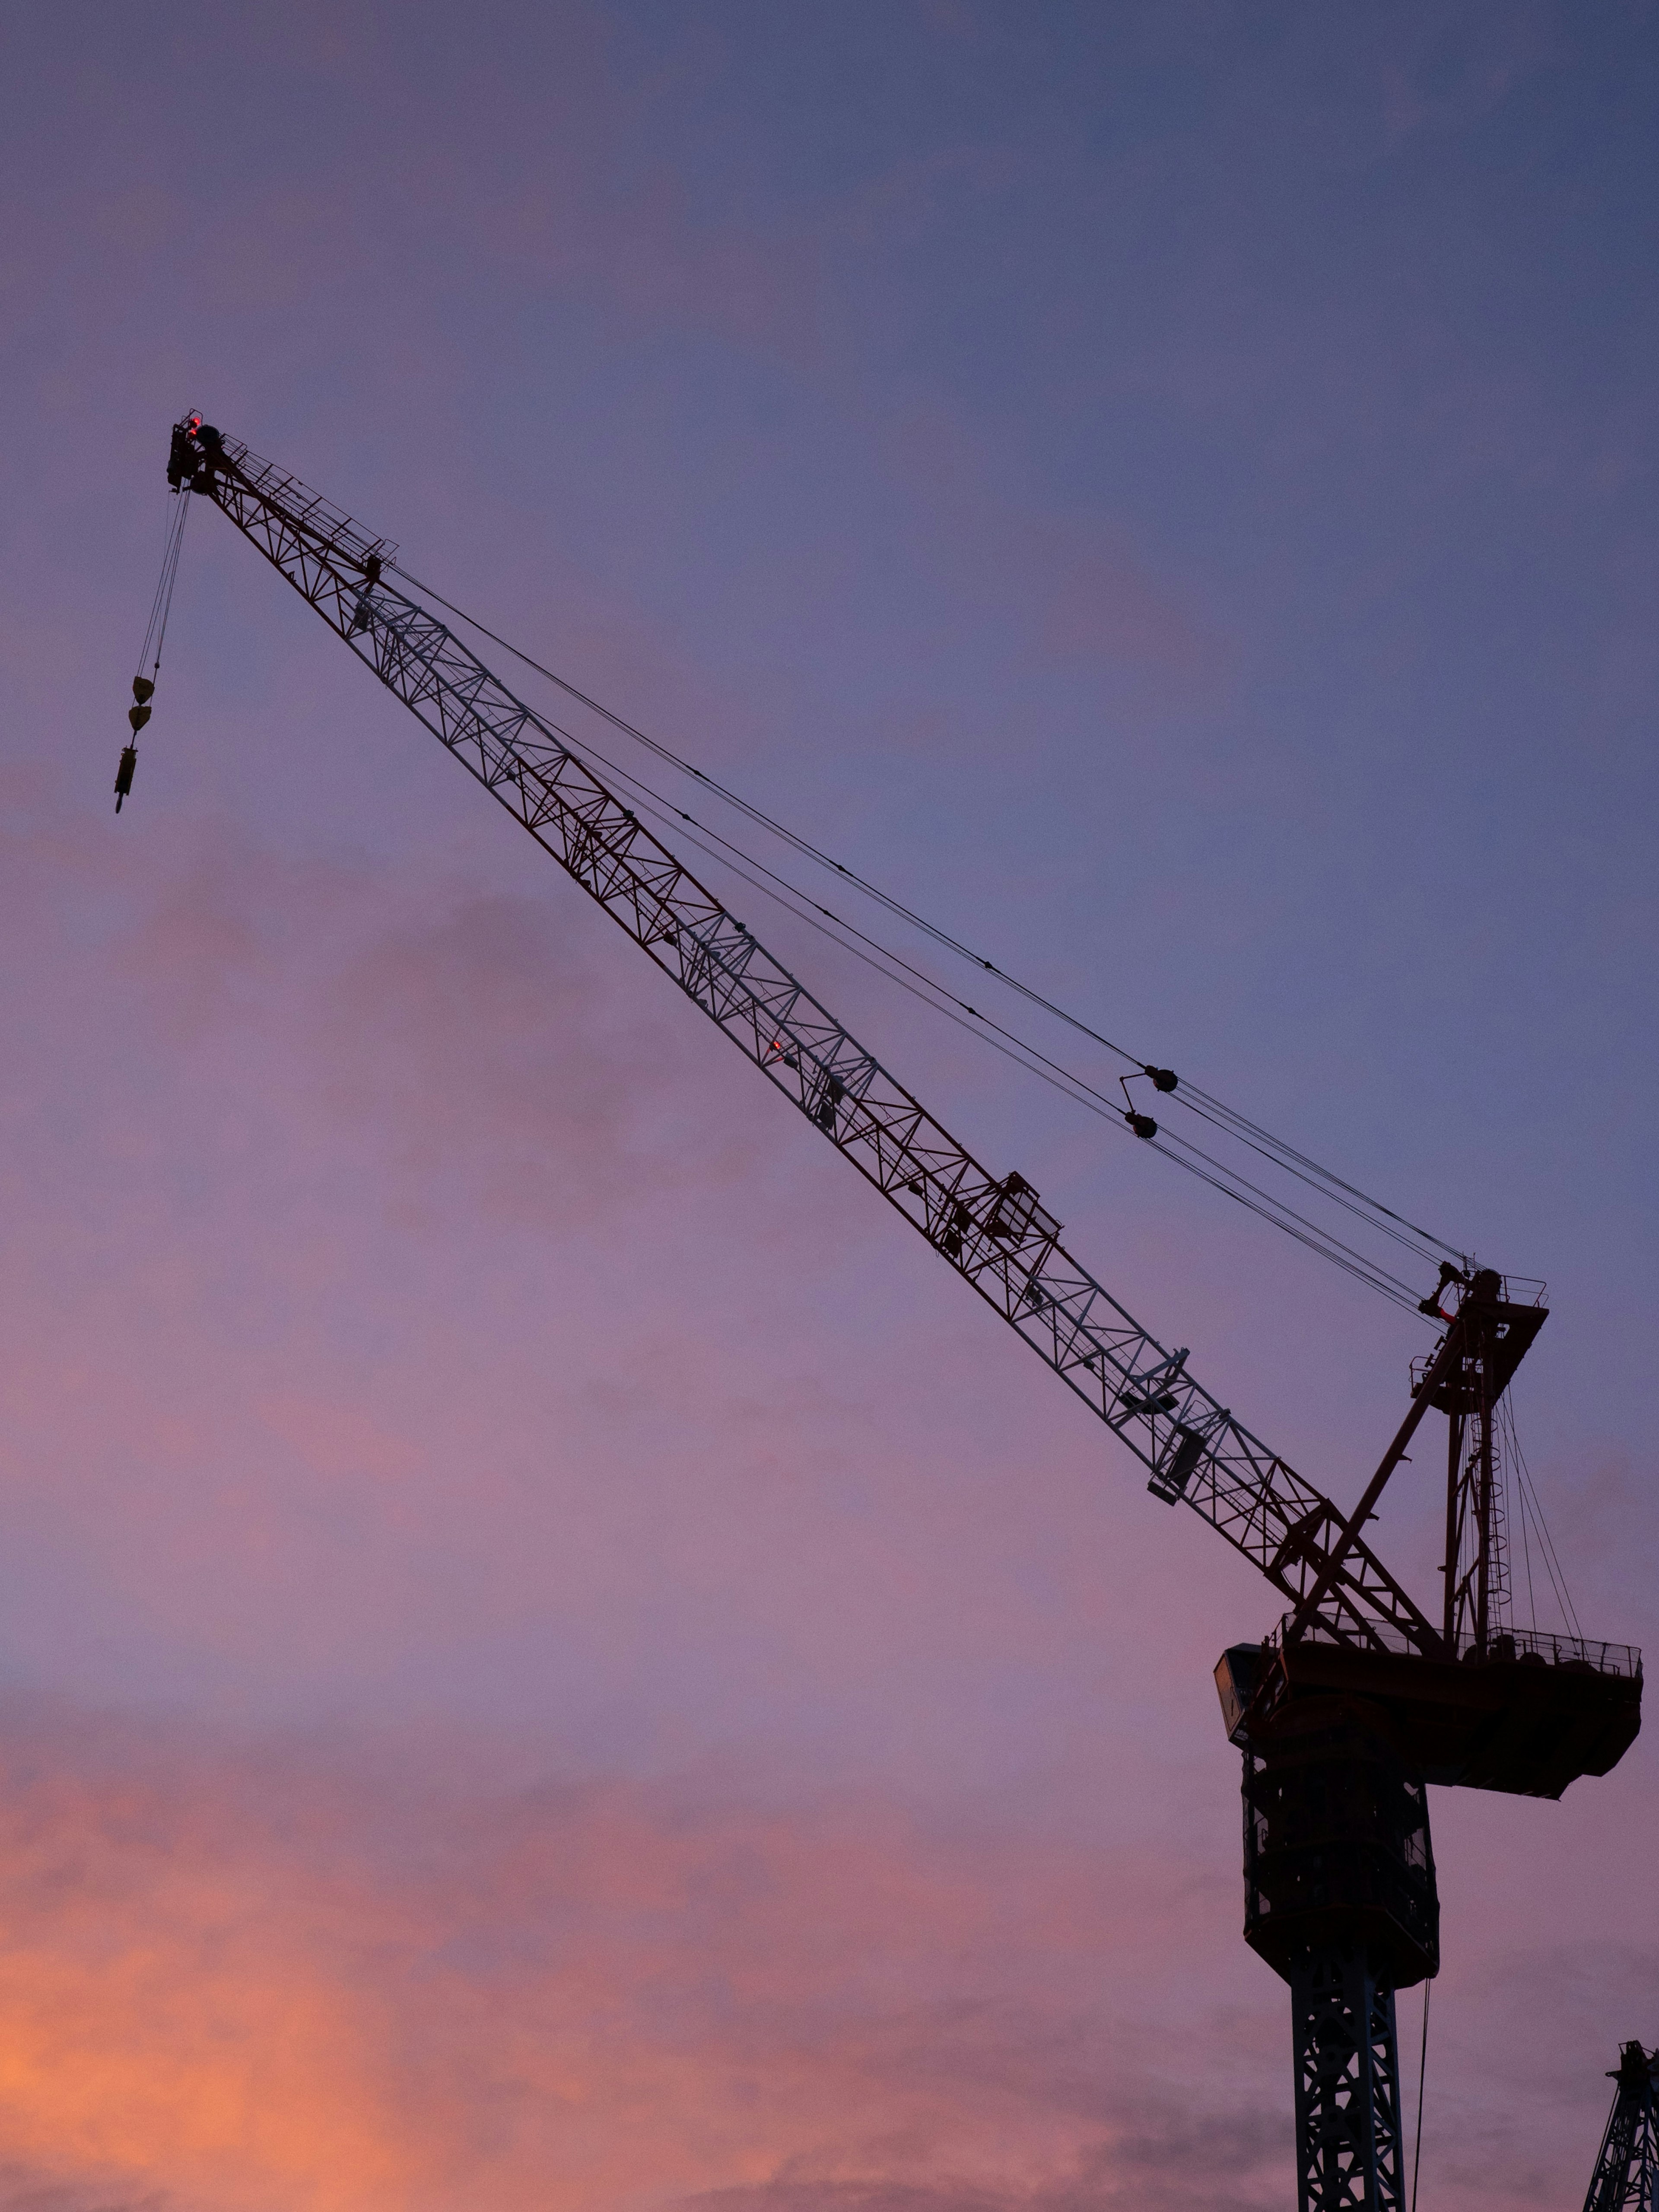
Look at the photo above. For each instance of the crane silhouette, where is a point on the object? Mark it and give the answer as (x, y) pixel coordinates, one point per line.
(1361, 1697)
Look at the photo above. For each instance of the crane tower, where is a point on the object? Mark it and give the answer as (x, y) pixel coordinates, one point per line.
(1627, 2177)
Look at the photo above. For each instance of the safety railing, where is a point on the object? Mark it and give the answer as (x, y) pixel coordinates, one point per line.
(1504, 1646)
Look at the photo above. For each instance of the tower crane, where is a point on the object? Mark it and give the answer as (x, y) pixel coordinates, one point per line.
(1361, 1697)
(1626, 2176)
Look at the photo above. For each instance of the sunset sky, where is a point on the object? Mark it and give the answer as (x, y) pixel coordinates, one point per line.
(552, 1657)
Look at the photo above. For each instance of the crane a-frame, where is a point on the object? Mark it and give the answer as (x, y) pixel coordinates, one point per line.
(1361, 1697)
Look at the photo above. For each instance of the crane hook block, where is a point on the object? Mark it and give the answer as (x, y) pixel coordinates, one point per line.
(142, 689)
(137, 717)
(1164, 1078)
(124, 774)
(1142, 1124)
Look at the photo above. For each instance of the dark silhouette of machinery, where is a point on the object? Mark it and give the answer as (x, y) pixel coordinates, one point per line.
(1339, 1738)
(1627, 2177)
(1359, 1699)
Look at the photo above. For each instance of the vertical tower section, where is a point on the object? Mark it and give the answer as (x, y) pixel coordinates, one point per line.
(1340, 1899)
(1348, 2132)
(1627, 2177)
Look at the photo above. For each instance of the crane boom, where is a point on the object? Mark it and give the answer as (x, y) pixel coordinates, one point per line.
(992, 1230)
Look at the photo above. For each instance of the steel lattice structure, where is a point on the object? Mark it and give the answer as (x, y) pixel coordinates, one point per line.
(1349, 2147)
(991, 1229)
(1627, 2177)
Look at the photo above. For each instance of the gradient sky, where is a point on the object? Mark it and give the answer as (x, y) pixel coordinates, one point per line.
(550, 1655)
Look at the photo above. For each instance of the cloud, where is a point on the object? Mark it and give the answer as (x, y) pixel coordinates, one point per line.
(480, 1041)
(1086, 597)
(1102, 606)
(397, 1971)
(251, 1973)
(648, 244)
(653, 265)
(21, 2191)
(393, 1973)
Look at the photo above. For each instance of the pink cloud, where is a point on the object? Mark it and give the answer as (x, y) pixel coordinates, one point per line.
(1105, 606)
(651, 264)
(409, 1308)
(1084, 594)
(244, 1975)
(640, 246)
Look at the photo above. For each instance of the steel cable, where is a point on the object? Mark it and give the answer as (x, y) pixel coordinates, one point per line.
(1227, 1120)
(1223, 1179)
(161, 604)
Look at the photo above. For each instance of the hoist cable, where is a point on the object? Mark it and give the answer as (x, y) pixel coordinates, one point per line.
(923, 988)
(1065, 1080)
(1283, 1157)
(1269, 1209)
(161, 604)
(1228, 1119)
(1057, 1080)
(926, 988)
(1376, 1275)
(1288, 1153)
(919, 986)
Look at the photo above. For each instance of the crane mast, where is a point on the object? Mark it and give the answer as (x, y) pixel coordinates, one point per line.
(1359, 1699)
(1626, 2176)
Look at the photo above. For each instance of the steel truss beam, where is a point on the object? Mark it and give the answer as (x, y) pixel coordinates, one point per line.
(1627, 2177)
(990, 1229)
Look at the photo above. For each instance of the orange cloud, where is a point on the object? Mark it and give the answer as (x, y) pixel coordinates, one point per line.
(250, 1977)
(168, 2016)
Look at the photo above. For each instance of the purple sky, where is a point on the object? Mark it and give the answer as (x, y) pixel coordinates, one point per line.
(551, 1655)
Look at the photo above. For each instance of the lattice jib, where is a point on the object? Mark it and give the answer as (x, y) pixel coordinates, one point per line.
(992, 1230)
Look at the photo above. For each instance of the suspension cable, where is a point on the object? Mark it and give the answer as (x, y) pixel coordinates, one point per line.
(1020, 1050)
(1331, 1186)
(1070, 1085)
(1532, 1511)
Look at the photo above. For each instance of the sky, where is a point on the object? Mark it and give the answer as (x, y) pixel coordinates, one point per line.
(551, 1655)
